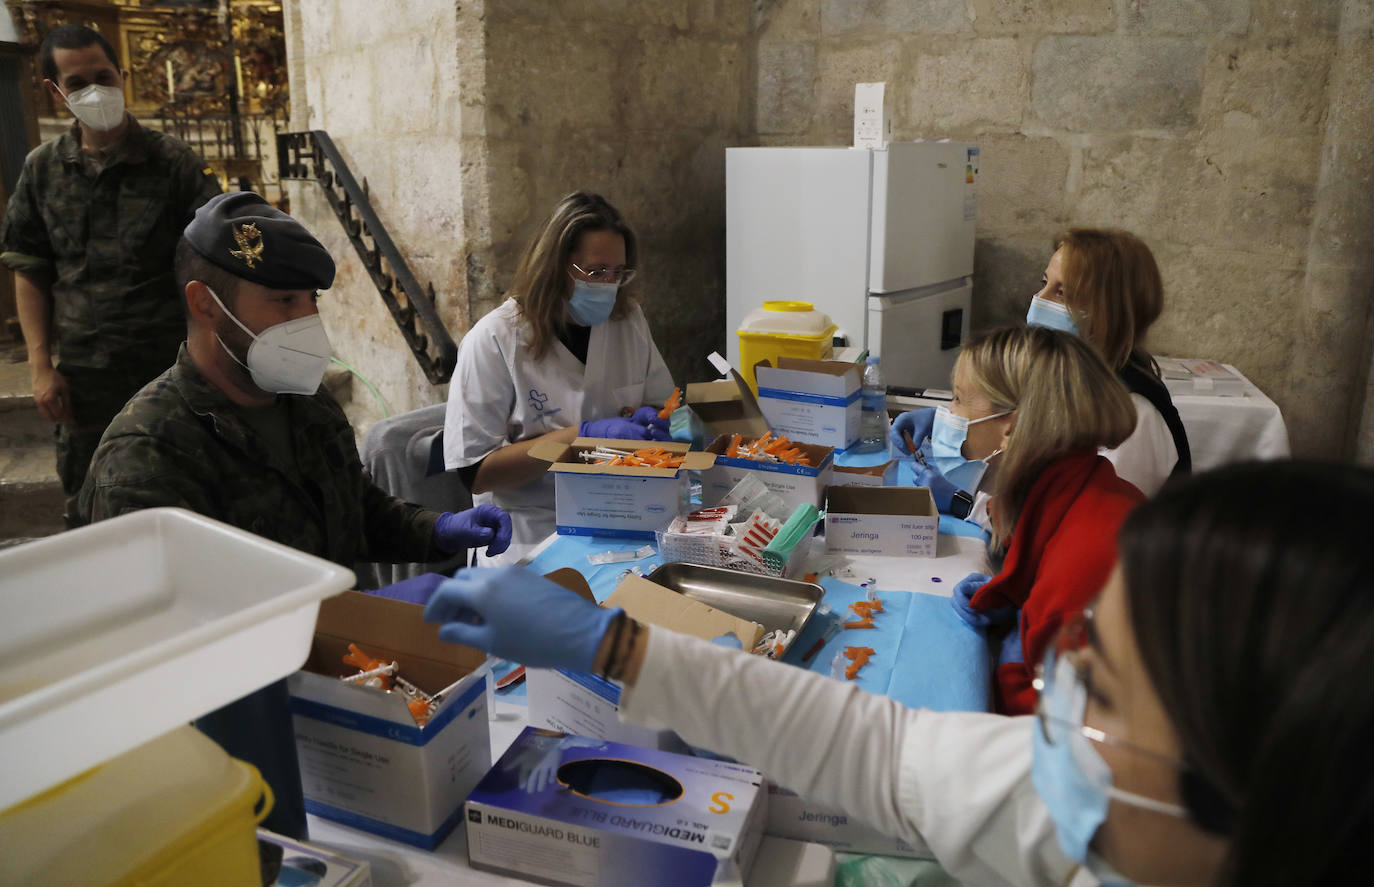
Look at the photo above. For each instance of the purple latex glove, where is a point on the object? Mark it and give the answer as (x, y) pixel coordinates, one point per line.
(648, 417)
(415, 590)
(623, 429)
(917, 423)
(484, 525)
(521, 616)
(941, 490)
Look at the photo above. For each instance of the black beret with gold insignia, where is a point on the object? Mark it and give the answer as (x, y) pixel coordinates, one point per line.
(248, 237)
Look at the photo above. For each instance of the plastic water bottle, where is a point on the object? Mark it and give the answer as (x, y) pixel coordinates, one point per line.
(873, 423)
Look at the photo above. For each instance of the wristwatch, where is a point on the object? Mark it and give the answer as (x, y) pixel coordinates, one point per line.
(960, 504)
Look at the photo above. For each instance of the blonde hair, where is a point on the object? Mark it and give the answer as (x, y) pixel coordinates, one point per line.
(1112, 284)
(1065, 397)
(542, 283)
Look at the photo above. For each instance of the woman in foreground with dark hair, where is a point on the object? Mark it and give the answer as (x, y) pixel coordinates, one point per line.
(1206, 722)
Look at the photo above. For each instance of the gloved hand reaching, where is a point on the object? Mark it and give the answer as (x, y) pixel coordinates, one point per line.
(648, 417)
(622, 429)
(980, 619)
(415, 590)
(941, 490)
(519, 615)
(917, 423)
(484, 525)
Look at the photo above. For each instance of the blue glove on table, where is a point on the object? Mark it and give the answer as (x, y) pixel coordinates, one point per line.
(941, 490)
(415, 590)
(917, 423)
(623, 429)
(519, 615)
(648, 417)
(963, 593)
(484, 525)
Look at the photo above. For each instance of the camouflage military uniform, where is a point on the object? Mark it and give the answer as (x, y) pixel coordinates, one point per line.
(180, 442)
(105, 238)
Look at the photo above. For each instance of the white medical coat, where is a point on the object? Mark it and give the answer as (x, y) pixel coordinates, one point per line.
(1148, 456)
(958, 780)
(500, 396)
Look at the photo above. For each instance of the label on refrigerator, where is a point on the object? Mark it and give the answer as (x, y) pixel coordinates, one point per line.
(871, 126)
(971, 185)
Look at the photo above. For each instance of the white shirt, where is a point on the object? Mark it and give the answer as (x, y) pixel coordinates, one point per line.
(958, 780)
(499, 396)
(1148, 456)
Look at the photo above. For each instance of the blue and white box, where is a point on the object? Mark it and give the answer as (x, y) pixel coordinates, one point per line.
(568, 810)
(794, 484)
(625, 502)
(364, 761)
(812, 401)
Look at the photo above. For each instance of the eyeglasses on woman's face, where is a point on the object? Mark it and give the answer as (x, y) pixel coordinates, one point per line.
(604, 274)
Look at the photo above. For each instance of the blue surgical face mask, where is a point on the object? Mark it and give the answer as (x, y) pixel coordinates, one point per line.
(1043, 312)
(1071, 777)
(592, 303)
(947, 436)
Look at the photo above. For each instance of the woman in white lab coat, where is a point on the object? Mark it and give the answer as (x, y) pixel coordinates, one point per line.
(1104, 285)
(1206, 722)
(568, 355)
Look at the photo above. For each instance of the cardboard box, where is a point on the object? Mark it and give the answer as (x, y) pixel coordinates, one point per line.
(589, 705)
(723, 409)
(812, 401)
(797, 819)
(363, 760)
(900, 521)
(794, 484)
(884, 475)
(544, 813)
(312, 864)
(600, 500)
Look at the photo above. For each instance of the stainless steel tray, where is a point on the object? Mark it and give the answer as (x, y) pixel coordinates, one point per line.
(771, 602)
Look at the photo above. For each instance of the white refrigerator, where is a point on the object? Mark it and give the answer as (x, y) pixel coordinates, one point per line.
(880, 239)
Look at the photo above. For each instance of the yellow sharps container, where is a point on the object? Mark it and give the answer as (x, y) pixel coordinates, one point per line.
(172, 812)
(783, 329)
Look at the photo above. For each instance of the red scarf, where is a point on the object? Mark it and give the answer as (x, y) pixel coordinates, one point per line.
(1062, 550)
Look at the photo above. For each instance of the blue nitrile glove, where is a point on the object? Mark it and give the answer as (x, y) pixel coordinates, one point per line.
(519, 615)
(545, 773)
(980, 619)
(1011, 648)
(622, 429)
(648, 417)
(728, 640)
(917, 423)
(484, 525)
(415, 590)
(941, 490)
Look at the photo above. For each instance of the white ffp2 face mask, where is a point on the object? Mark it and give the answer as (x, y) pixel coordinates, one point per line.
(99, 107)
(288, 358)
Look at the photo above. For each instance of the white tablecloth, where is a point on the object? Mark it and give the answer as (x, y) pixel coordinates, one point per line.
(1222, 430)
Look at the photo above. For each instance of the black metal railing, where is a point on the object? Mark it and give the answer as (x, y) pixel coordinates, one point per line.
(312, 156)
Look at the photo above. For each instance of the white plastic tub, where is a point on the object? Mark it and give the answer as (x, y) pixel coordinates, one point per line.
(115, 633)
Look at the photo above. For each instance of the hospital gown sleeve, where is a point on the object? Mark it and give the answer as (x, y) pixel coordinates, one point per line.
(1146, 458)
(481, 400)
(959, 780)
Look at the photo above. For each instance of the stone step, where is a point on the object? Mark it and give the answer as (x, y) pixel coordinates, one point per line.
(31, 498)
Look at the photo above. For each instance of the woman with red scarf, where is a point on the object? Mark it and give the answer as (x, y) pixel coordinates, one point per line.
(1036, 405)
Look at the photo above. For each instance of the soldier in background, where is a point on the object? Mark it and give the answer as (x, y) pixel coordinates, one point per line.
(89, 233)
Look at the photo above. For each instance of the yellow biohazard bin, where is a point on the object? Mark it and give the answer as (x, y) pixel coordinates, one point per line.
(174, 811)
(783, 329)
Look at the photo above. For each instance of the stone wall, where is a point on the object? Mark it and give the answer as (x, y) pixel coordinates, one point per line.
(1233, 135)
(636, 101)
(391, 89)
(470, 121)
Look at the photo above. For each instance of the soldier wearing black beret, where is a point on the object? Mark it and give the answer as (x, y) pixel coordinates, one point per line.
(239, 429)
